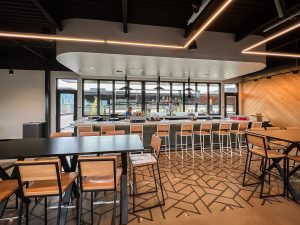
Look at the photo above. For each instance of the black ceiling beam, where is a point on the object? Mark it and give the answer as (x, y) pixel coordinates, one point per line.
(48, 10)
(125, 15)
(287, 39)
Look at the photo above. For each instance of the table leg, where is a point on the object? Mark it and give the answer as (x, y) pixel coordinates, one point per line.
(64, 211)
(123, 187)
(2, 207)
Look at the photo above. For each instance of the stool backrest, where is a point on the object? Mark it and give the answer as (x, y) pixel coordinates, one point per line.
(136, 129)
(272, 128)
(225, 127)
(243, 126)
(163, 128)
(114, 132)
(85, 129)
(256, 125)
(91, 133)
(187, 127)
(106, 128)
(206, 127)
(61, 134)
(156, 144)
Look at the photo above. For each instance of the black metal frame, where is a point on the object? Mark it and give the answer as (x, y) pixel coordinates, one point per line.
(96, 190)
(226, 94)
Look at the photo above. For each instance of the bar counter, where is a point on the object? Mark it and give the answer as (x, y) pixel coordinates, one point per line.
(150, 126)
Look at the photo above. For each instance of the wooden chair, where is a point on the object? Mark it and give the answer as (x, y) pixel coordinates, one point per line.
(163, 132)
(114, 132)
(205, 131)
(84, 128)
(239, 134)
(186, 131)
(105, 128)
(61, 134)
(224, 131)
(99, 174)
(44, 178)
(259, 148)
(276, 144)
(91, 133)
(137, 129)
(147, 159)
(7, 189)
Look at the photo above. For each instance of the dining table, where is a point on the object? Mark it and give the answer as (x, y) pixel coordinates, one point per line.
(292, 138)
(72, 147)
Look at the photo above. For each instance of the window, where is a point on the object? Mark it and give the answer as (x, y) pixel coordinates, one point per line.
(66, 84)
(214, 98)
(135, 96)
(201, 98)
(230, 88)
(177, 96)
(190, 100)
(106, 97)
(165, 96)
(121, 97)
(90, 97)
(151, 97)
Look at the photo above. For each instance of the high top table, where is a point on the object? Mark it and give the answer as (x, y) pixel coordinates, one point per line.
(74, 146)
(290, 136)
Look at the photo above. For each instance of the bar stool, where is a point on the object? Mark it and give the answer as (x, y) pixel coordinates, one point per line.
(163, 132)
(114, 132)
(147, 159)
(99, 174)
(137, 129)
(7, 189)
(256, 125)
(61, 134)
(44, 178)
(239, 133)
(105, 128)
(84, 128)
(91, 133)
(205, 131)
(259, 148)
(224, 130)
(186, 131)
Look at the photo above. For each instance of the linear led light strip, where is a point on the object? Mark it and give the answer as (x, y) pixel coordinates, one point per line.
(272, 37)
(142, 44)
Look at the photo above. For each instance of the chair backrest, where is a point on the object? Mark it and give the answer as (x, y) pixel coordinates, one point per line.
(91, 133)
(114, 132)
(106, 128)
(225, 127)
(38, 170)
(61, 134)
(256, 140)
(156, 144)
(243, 126)
(257, 129)
(85, 129)
(187, 127)
(163, 128)
(256, 125)
(98, 166)
(272, 128)
(293, 128)
(136, 129)
(206, 127)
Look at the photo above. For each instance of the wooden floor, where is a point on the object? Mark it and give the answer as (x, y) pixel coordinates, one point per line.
(207, 191)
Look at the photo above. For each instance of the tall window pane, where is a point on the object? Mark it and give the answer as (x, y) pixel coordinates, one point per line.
(135, 96)
(67, 84)
(165, 96)
(201, 98)
(151, 96)
(106, 97)
(230, 88)
(120, 98)
(90, 97)
(177, 96)
(190, 100)
(214, 99)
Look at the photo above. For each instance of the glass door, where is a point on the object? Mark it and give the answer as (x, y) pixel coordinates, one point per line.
(231, 104)
(66, 110)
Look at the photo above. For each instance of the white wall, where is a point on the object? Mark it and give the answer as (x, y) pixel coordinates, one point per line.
(22, 99)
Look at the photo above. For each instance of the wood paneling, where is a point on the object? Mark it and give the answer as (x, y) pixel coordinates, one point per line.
(278, 99)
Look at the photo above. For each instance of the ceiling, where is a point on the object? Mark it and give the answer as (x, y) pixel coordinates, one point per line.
(243, 17)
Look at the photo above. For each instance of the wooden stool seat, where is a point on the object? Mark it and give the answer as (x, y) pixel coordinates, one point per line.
(114, 132)
(237, 132)
(162, 134)
(184, 133)
(221, 132)
(143, 160)
(203, 132)
(89, 133)
(8, 188)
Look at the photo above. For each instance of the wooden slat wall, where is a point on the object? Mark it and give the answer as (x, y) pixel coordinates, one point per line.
(278, 99)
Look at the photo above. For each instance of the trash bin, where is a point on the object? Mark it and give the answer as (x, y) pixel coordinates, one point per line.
(34, 130)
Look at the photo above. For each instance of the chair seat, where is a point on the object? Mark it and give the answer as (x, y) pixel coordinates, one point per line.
(271, 154)
(294, 157)
(237, 132)
(280, 143)
(221, 132)
(142, 159)
(162, 134)
(184, 133)
(50, 187)
(203, 132)
(100, 182)
(7, 188)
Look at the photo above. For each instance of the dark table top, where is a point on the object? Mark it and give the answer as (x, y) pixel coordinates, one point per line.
(292, 136)
(46, 147)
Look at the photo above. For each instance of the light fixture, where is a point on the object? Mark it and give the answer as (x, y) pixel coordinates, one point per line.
(142, 44)
(272, 37)
(126, 87)
(158, 84)
(10, 72)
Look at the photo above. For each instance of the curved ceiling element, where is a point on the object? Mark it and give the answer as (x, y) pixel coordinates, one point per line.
(149, 67)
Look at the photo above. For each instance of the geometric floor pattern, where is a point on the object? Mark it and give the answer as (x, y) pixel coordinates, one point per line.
(191, 187)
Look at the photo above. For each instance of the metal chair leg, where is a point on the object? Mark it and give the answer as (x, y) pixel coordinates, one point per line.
(45, 211)
(92, 207)
(263, 177)
(20, 212)
(27, 211)
(59, 209)
(160, 183)
(114, 210)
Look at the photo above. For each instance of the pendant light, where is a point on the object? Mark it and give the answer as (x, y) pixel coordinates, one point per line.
(189, 89)
(158, 84)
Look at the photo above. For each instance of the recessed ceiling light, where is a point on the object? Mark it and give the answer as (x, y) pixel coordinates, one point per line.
(92, 68)
(141, 70)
